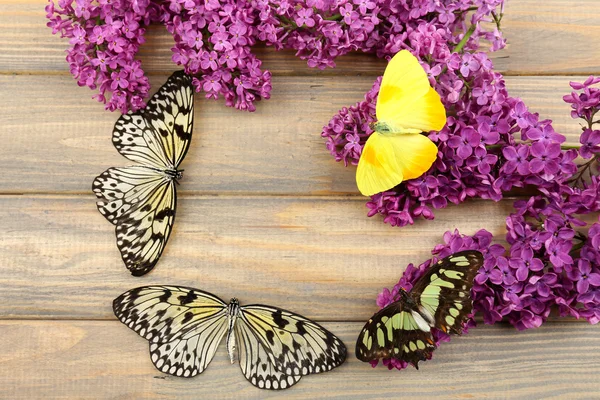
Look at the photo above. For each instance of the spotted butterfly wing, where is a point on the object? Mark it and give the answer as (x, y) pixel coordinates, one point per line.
(185, 326)
(440, 299)
(294, 346)
(256, 365)
(394, 333)
(141, 200)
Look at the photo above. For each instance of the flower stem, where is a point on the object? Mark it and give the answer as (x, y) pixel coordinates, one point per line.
(334, 17)
(465, 39)
(497, 19)
(582, 169)
(501, 145)
(459, 47)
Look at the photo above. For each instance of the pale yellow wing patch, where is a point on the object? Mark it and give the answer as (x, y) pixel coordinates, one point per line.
(423, 114)
(403, 80)
(415, 153)
(387, 160)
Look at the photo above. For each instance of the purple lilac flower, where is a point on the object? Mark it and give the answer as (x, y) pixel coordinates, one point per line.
(584, 277)
(547, 263)
(482, 152)
(211, 38)
(319, 31)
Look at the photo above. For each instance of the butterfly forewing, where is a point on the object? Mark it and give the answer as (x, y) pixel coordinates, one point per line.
(406, 102)
(171, 113)
(183, 325)
(404, 80)
(445, 290)
(160, 135)
(143, 232)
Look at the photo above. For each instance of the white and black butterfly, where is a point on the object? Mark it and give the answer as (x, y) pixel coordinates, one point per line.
(141, 200)
(185, 326)
(440, 299)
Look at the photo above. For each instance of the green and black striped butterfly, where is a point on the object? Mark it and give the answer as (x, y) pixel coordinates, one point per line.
(440, 299)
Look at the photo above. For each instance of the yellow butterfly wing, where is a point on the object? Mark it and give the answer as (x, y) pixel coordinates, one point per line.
(406, 102)
(387, 160)
(406, 106)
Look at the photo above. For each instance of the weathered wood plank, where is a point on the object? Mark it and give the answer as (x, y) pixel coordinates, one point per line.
(103, 359)
(550, 38)
(56, 139)
(321, 255)
(556, 38)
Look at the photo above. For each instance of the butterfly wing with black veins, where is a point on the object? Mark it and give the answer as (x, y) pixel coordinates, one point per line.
(440, 299)
(141, 200)
(183, 325)
(278, 347)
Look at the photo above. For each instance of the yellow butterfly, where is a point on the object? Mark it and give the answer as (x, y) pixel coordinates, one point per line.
(406, 106)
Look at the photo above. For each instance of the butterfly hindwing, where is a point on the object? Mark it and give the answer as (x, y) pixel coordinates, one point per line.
(121, 190)
(183, 325)
(445, 290)
(256, 364)
(394, 333)
(387, 160)
(295, 345)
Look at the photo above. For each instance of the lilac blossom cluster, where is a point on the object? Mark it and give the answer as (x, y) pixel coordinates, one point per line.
(213, 38)
(490, 144)
(105, 38)
(552, 256)
(322, 30)
(212, 43)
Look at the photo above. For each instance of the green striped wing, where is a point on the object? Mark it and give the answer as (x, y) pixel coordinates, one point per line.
(440, 299)
(394, 333)
(445, 290)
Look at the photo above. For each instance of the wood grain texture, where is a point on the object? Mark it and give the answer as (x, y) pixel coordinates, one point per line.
(94, 359)
(59, 144)
(323, 255)
(554, 38)
(285, 229)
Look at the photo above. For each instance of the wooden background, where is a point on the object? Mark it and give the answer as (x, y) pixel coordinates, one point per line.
(265, 214)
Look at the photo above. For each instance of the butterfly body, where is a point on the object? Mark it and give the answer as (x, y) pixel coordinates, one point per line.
(425, 321)
(382, 128)
(141, 199)
(440, 299)
(174, 174)
(184, 326)
(233, 309)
